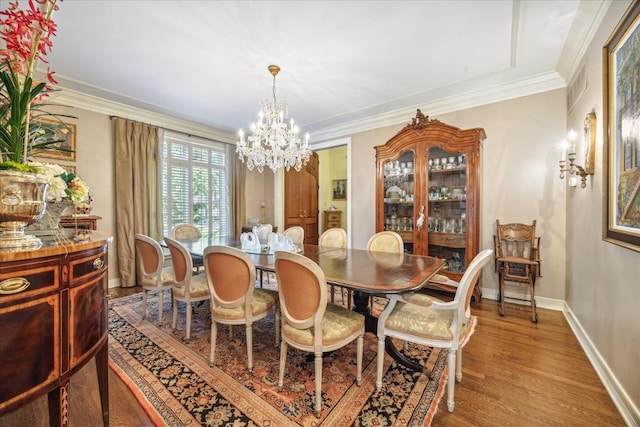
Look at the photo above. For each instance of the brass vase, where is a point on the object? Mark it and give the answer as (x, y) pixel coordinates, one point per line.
(22, 202)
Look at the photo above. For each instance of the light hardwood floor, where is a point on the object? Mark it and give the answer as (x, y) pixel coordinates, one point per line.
(515, 373)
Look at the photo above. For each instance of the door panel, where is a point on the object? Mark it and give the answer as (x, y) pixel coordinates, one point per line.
(301, 199)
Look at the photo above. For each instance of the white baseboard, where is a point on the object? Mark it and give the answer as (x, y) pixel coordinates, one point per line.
(523, 299)
(628, 410)
(620, 398)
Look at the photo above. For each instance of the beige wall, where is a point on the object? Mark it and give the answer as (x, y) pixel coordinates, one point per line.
(520, 179)
(95, 165)
(603, 280)
(259, 191)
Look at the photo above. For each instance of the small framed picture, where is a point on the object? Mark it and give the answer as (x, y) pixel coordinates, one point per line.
(339, 187)
(67, 137)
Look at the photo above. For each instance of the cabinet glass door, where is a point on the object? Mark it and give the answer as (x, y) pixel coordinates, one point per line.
(447, 213)
(399, 196)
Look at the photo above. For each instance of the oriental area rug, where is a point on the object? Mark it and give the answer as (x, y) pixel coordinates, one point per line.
(175, 385)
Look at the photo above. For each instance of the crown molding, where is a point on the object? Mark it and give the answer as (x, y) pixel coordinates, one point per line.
(96, 104)
(581, 35)
(496, 93)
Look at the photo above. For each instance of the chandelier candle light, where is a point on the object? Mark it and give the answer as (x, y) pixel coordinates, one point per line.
(273, 143)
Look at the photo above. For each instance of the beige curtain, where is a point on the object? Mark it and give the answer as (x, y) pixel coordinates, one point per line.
(237, 177)
(137, 205)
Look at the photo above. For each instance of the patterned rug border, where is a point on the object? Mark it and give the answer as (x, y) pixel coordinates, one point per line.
(416, 411)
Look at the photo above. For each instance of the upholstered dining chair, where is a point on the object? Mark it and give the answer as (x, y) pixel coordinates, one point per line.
(188, 288)
(420, 319)
(188, 231)
(231, 276)
(384, 241)
(155, 277)
(334, 238)
(308, 322)
(296, 233)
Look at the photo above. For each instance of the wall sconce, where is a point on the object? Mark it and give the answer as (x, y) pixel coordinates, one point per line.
(569, 153)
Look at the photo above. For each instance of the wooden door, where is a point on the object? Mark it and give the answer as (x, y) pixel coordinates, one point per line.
(301, 199)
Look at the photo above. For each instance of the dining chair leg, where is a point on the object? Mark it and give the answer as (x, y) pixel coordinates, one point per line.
(283, 358)
(188, 327)
(459, 364)
(277, 316)
(249, 333)
(144, 304)
(160, 305)
(359, 351)
(214, 338)
(380, 363)
(175, 315)
(318, 368)
(451, 361)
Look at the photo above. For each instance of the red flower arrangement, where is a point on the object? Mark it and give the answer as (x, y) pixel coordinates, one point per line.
(28, 38)
(27, 34)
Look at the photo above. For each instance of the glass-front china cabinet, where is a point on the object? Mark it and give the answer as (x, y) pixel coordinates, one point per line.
(428, 191)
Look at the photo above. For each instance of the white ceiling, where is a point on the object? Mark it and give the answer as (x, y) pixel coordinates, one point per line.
(346, 65)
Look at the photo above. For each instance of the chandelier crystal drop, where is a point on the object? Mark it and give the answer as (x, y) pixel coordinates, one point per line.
(273, 142)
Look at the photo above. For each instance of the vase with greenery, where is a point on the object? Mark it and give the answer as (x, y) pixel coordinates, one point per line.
(27, 36)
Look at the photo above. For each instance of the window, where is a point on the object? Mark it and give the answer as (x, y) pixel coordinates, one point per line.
(194, 184)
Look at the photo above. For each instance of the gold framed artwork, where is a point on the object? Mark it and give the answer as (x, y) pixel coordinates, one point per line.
(621, 69)
(67, 137)
(339, 187)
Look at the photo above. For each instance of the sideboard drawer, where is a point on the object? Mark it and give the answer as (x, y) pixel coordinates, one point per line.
(91, 263)
(20, 280)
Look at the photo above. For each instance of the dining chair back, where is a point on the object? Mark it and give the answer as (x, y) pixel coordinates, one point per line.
(428, 321)
(383, 241)
(188, 231)
(154, 276)
(386, 241)
(296, 233)
(231, 277)
(188, 288)
(333, 237)
(309, 323)
(185, 231)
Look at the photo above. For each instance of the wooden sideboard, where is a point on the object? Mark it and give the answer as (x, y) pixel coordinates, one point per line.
(85, 222)
(53, 320)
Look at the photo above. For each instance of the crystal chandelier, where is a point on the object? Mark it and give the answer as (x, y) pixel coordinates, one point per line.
(273, 143)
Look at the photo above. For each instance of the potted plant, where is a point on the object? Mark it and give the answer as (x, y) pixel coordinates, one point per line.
(27, 35)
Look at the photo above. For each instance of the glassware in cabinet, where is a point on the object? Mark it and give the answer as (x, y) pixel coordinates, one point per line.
(399, 195)
(447, 213)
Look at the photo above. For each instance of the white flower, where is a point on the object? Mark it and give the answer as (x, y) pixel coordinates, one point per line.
(62, 184)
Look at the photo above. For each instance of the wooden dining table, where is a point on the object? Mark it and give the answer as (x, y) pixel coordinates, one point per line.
(364, 272)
